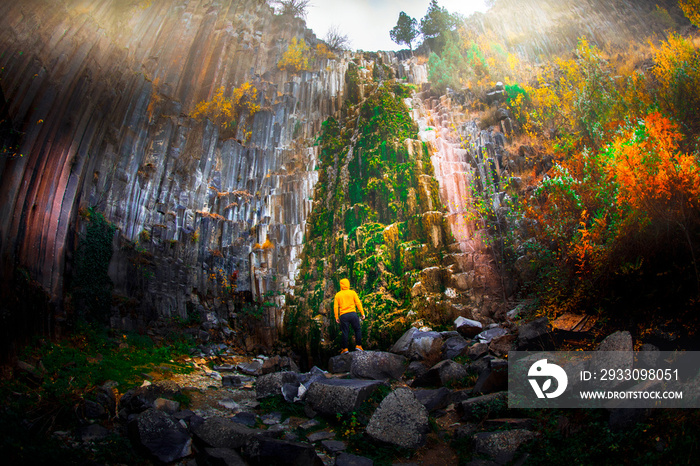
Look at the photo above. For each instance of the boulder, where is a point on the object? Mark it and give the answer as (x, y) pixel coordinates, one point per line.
(618, 341)
(341, 363)
(220, 457)
(440, 374)
(614, 352)
(454, 346)
(273, 452)
(433, 399)
(416, 369)
(334, 446)
(400, 420)
(478, 350)
(346, 459)
(535, 335)
(501, 345)
(251, 368)
(142, 398)
(419, 345)
(165, 405)
(487, 335)
(481, 407)
(468, 327)
(217, 432)
(246, 419)
(158, 434)
(378, 365)
(271, 384)
(333, 396)
(494, 378)
(501, 446)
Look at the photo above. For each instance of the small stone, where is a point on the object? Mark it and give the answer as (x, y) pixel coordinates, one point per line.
(346, 459)
(320, 435)
(229, 404)
(310, 424)
(334, 446)
(247, 419)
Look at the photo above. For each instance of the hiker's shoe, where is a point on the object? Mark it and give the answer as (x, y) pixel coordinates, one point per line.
(345, 350)
(358, 348)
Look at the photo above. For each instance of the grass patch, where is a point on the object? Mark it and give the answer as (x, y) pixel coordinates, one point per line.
(67, 373)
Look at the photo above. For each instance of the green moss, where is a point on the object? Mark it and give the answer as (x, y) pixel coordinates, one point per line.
(91, 286)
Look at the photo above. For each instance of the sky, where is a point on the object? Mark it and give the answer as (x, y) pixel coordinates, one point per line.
(367, 22)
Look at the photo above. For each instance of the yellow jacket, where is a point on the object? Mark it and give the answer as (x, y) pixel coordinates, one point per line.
(346, 300)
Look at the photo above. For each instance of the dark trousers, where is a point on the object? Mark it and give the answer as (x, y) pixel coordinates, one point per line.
(346, 321)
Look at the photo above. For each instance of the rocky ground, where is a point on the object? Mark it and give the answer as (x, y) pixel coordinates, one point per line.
(433, 398)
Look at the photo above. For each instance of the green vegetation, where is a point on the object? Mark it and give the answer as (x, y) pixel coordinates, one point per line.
(405, 31)
(91, 286)
(375, 184)
(67, 373)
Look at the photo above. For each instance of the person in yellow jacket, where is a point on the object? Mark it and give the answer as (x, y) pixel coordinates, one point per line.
(345, 307)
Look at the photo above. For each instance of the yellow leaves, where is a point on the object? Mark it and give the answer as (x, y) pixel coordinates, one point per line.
(691, 9)
(225, 111)
(295, 59)
(669, 55)
(322, 51)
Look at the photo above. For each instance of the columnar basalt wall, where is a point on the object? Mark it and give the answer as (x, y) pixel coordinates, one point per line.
(101, 94)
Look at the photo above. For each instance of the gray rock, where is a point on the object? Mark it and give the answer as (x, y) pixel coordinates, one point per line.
(433, 399)
(614, 352)
(231, 381)
(93, 410)
(535, 335)
(142, 398)
(271, 418)
(453, 347)
(271, 384)
(251, 368)
(501, 446)
(160, 436)
(618, 341)
(310, 424)
(400, 420)
(274, 452)
(487, 335)
(501, 345)
(320, 435)
(478, 350)
(219, 432)
(378, 365)
(246, 419)
(416, 369)
(482, 406)
(221, 457)
(440, 374)
(290, 392)
(93, 432)
(334, 446)
(468, 327)
(418, 346)
(346, 459)
(343, 396)
(341, 363)
(165, 405)
(494, 378)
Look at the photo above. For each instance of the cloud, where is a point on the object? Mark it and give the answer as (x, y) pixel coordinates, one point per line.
(368, 22)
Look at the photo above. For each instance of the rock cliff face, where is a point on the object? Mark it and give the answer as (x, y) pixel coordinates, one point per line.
(99, 98)
(101, 92)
